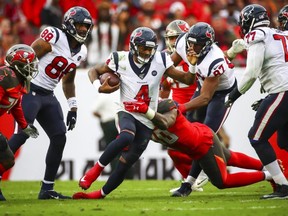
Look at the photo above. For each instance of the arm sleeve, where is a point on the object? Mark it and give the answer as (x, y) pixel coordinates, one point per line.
(18, 114)
(255, 60)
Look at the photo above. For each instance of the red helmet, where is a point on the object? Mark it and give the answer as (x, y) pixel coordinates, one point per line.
(23, 59)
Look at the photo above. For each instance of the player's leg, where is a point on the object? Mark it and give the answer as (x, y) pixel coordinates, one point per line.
(127, 124)
(31, 104)
(214, 165)
(270, 117)
(127, 159)
(181, 161)
(6, 159)
(50, 117)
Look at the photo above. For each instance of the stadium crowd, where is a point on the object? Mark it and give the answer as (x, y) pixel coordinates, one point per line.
(114, 20)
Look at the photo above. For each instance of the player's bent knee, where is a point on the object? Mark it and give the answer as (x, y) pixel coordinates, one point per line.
(129, 158)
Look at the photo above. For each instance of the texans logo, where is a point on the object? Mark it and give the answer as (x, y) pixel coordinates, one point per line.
(285, 14)
(184, 27)
(208, 34)
(138, 34)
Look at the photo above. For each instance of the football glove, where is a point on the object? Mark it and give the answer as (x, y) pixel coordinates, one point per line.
(71, 120)
(233, 96)
(31, 131)
(256, 104)
(136, 106)
(238, 46)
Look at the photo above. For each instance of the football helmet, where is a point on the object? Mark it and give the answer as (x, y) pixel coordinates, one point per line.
(283, 18)
(173, 30)
(77, 15)
(145, 37)
(23, 59)
(201, 34)
(252, 16)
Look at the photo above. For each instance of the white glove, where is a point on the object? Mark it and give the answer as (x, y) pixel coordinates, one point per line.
(31, 131)
(238, 46)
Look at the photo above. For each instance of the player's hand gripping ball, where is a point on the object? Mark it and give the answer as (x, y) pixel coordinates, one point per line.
(113, 81)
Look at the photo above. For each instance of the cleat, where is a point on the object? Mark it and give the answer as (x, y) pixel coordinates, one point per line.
(281, 192)
(200, 182)
(91, 176)
(2, 198)
(51, 194)
(92, 195)
(183, 191)
(84, 183)
(272, 182)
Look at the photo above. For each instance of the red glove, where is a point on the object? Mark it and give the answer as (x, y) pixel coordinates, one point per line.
(136, 106)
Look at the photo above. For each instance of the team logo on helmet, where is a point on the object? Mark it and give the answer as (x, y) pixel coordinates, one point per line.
(138, 34)
(285, 14)
(183, 27)
(208, 35)
(246, 14)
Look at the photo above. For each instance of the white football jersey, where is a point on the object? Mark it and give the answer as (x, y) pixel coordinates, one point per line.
(274, 72)
(60, 61)
(213, 64)
(140, 82)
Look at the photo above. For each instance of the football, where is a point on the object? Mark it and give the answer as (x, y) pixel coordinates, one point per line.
(114, 78)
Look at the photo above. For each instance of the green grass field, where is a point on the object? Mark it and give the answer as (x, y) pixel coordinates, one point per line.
(142, 198)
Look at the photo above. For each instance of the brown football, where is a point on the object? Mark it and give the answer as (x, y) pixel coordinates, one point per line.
(114, 79)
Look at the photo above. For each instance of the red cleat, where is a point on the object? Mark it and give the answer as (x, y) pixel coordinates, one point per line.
(93, 195)
(92, 174)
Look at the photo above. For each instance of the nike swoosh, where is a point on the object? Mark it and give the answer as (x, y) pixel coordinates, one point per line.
(82, 179)
(54, 197)
(200, 182)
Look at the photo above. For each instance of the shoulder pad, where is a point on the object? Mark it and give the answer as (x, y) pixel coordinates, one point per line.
(255, 36)
(8, 78)
(50, 34)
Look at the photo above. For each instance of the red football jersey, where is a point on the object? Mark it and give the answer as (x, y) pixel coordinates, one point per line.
(194, 139)
(11, 91)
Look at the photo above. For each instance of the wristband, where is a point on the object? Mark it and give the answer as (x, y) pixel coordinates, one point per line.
(231, 53)
(72, 102)
(150, 114)
(95, 84)
(192, 69)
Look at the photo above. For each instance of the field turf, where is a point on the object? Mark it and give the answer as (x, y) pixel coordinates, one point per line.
(145, 198)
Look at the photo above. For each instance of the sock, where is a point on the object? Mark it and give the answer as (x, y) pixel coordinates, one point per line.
(268, 176)
(276, 173)
(47, 185)
(241, 160)
(190, 179)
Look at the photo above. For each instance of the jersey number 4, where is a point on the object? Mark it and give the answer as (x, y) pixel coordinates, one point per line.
(143, 94)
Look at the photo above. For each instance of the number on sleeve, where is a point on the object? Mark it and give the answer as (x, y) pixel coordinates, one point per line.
(283, 40)
(46, 35)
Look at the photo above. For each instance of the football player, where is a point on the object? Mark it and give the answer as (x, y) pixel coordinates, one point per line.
(205, 148)
(59, 51)
(140, 71)
(180, 92)
(21, 66)
(267, 61)
(283, 18)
